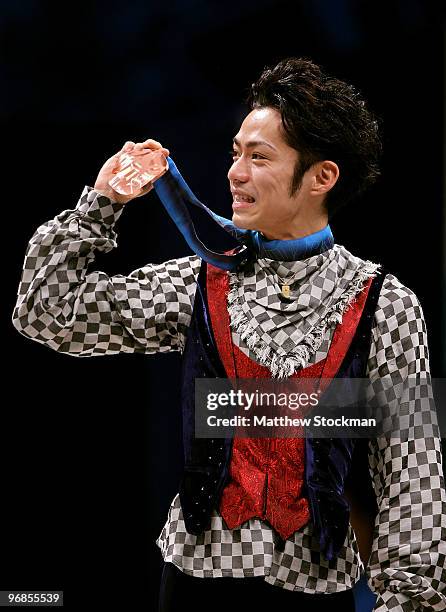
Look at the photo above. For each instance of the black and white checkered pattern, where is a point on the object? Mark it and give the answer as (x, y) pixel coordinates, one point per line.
(316, 285)
(83, 313)
(284, 334)
(251, 550)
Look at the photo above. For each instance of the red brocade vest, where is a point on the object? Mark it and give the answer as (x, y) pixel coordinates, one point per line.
(267, 475)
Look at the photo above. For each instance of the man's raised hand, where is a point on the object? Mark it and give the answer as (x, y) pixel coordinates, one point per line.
(108, 170)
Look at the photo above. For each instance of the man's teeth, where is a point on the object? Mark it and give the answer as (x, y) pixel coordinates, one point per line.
(240, 198)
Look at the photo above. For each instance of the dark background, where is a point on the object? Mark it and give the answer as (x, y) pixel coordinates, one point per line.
(91, 448)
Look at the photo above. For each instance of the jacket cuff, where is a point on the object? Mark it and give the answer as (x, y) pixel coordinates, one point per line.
(98, 207)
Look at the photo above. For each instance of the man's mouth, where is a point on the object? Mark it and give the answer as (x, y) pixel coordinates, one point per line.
(242, 200)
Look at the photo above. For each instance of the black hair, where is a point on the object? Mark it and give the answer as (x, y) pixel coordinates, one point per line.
(323, 118)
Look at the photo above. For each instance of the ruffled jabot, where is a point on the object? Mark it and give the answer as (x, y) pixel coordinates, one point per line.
(283, 333)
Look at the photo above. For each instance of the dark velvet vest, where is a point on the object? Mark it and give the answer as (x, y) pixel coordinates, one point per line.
(327, 460)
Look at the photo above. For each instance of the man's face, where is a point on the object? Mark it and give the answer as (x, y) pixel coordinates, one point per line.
(261, 175)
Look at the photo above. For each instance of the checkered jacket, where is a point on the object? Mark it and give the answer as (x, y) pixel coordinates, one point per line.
(87, 313)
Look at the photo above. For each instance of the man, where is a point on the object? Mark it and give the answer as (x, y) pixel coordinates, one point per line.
(291, 304)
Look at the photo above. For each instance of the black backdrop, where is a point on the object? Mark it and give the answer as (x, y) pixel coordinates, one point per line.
(91, 448)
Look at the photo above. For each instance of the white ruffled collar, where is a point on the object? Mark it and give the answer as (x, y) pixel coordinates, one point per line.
(283, 333)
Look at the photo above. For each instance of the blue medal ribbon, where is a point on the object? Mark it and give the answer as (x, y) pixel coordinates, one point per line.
(176, 195)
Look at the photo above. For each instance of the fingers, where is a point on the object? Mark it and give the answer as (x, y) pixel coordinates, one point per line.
(128, 146)
(146, 144)
(154, 144)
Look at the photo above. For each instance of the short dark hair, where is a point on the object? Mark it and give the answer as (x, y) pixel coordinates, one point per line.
(323, 118)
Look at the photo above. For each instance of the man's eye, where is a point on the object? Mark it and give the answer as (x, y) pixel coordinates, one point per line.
(235, 154)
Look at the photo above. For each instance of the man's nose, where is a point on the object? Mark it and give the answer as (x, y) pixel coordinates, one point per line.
(238, 172)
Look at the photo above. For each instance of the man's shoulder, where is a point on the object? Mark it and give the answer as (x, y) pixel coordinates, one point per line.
(186, 263)
(393, 290)
(394, 296)
(179, 270)
(396, 299)
(192, 262)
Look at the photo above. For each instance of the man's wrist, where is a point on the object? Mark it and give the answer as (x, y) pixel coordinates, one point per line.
(112, 195)
(106, 193)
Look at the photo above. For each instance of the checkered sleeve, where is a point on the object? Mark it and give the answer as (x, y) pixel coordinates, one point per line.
(407, 566)
(71, 310)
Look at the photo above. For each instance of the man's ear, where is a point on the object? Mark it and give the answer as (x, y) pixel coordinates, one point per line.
(325, 175)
